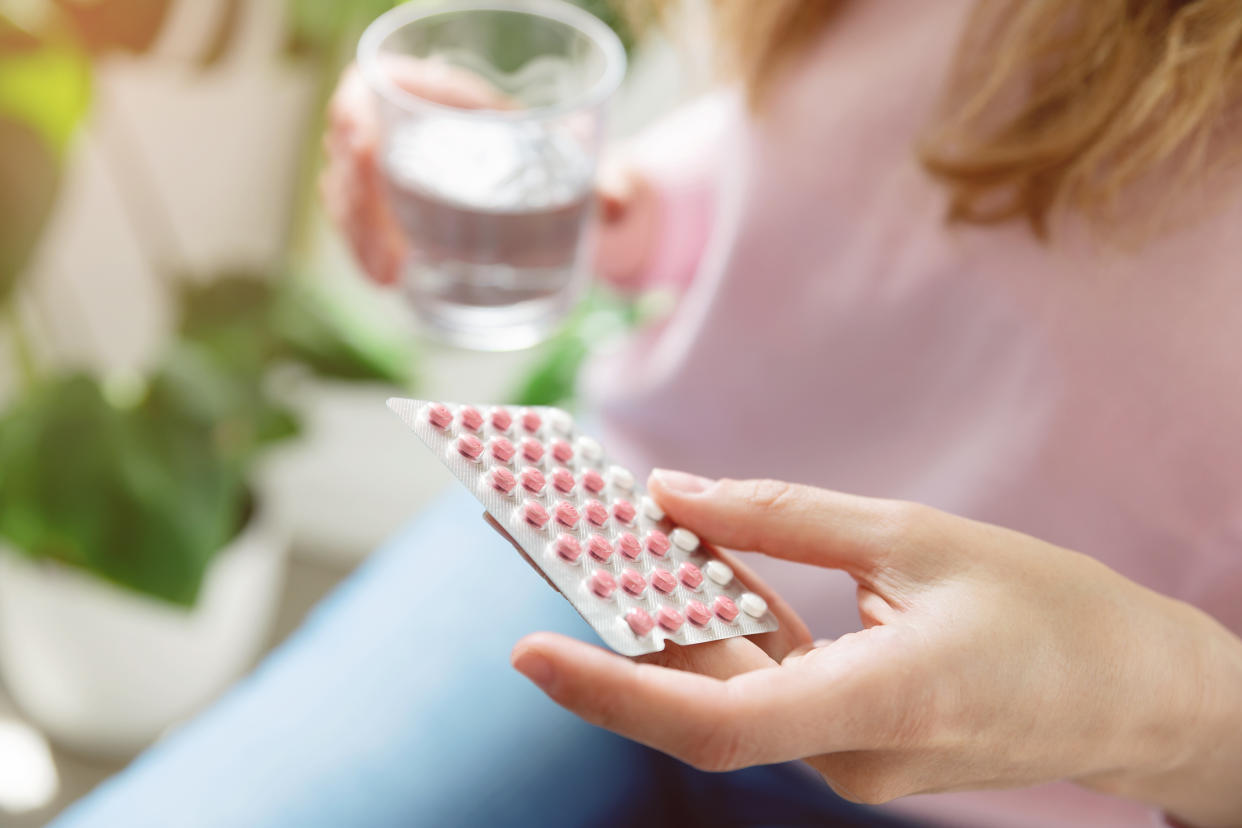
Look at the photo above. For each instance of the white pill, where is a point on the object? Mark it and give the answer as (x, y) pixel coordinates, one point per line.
(684, 539)
(752, 604)
(720, 573)
(652, 509)
(621, 477)
(590, 449)
(560, 421)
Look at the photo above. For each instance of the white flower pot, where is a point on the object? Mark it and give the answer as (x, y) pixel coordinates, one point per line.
(104, 671)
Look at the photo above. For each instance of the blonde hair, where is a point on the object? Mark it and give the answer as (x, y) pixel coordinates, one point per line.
(1050, 105)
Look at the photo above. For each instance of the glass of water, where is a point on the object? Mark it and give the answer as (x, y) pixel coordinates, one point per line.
(495, 202)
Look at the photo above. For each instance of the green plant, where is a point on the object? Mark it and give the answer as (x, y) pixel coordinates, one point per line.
(138, 495)
(142, 479)
(602, 315)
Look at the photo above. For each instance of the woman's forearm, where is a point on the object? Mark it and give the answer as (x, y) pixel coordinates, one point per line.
(1194, 757)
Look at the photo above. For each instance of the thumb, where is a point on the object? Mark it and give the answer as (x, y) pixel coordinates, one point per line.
(784, 520)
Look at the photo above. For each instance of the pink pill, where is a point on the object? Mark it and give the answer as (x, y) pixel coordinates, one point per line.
(532, 480)
(698, 613)
(603, 584)
(629, 545)
(532, 450)
(469, 446)
(502, 449)
(657, 543)
(690, 575)
(670, 619)
(563, 480)
(663, 580)
(596, 512)
(471, 418)
(592, 481)
(531, 421)
(534, 514)
(640, 621)
(501, 420)
(624, 512)
(503, 480)
(567, 547)
(599, 547)
(562, 451)
(632, 582)
(725, 608)
(439, 415)
(566, 514)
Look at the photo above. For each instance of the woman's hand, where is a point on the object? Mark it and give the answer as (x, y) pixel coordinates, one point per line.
(352, 184)
(988, 659)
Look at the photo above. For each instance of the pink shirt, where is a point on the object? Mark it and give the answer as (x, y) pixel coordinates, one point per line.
(833, 330)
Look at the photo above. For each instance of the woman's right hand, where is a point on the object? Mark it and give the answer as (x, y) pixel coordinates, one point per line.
(987, 659)
(353, 189)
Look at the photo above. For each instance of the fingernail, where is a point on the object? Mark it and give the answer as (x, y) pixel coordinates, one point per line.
(820, 642)
(535, 667)
(681, 482)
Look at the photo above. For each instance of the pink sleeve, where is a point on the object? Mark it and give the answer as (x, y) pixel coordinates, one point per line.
(681, 157)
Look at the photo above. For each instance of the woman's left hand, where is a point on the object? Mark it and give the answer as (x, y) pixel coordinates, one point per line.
(987, 659)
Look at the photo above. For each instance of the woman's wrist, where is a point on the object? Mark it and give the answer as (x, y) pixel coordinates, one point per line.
(1181, 747)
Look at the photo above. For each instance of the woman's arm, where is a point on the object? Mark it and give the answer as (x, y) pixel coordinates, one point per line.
(988, 659)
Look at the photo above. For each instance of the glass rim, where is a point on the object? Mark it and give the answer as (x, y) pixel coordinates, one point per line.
(604, 38)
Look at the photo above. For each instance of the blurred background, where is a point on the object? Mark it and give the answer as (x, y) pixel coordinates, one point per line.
(193, 443)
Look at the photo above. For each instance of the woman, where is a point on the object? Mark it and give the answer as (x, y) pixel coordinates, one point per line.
(978, 256)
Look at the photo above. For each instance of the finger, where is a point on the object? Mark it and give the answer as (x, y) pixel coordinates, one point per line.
(371, 228)
(873, 609)
(803, 649)
(615, 186)
(352, 114)
(358, 200)
(720, 659)
(784, 520)
(764, 715)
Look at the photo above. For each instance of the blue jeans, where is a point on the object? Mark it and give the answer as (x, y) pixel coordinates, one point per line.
(395, 705)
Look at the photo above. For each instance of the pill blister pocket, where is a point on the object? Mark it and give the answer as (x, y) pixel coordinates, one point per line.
(587, 523)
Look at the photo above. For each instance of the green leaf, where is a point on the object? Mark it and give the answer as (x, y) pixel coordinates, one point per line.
(29, 179)
(554, 378)
(252, 323)
(320, 25)
(44, 92)
(319, 329)
(137, 496)
(614, 13)
(228, 300)
(47, 89)
(233, 407)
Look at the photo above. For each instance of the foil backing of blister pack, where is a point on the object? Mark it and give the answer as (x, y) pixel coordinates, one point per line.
(606, 615)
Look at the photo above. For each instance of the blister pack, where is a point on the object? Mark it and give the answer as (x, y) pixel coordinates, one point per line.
(588, 525)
